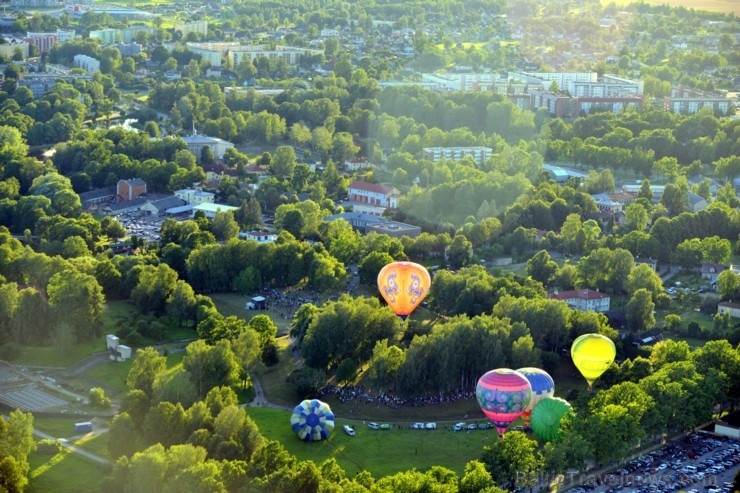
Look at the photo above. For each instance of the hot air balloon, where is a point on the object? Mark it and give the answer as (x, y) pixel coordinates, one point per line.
(592, 354)
(503, 394)
(542, 386)
(546, 418)
(403, 285)
(312, 420)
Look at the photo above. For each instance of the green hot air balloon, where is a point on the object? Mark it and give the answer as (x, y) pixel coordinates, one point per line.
(546, 417)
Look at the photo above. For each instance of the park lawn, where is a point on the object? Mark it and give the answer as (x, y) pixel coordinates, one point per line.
(381, 452)
(64, 472)
(95, 444)
(114, 373)
(58, 427)
(55, 356)
(273, 379)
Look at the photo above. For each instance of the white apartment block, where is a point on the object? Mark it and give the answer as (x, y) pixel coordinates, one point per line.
(584, 299)
(470, 82)
(106, 36)
(291, 55)
(88, 63)
(479, 154)
(213, 52)
(197, 27)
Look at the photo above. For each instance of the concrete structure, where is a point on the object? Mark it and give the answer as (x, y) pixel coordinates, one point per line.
(25, 4)
(584, 299)
(42, 41)
(210, 209)
(258, 236)
(196, 143)
(130, 189)
(213, 52)
(470, 82)
(729, 425)
(159, 207)
(106, 36)
(367, 223)
(194, 197)
(88, 63)
(374, 194)
(479, 154)
(729, 307)
(292, 55)
(129, 49)
(197, 27)
(9, 49)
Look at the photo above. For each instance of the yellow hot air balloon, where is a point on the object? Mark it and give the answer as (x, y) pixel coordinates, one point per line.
(403, 285)
(593, 354)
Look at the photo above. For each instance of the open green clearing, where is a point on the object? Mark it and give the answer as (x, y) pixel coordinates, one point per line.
(64, 472)
(382, 452)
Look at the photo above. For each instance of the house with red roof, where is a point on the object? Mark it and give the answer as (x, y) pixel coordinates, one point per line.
(584, 299)
(372, 198)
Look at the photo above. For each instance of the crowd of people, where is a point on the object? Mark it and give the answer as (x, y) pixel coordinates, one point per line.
(362, 395)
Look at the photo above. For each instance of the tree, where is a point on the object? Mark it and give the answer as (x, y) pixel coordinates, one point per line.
(513, 460)
(210, 366)
(78, 299)
(98, 399)
(640, 311)
(224, 226)
(371, 265)
(283, 162)
(541, 267)
(728, 285)
(643, 276)
(476, 479)
(144, 370)
(635, 217)
(16, 443)
(182, 303)
(459, 252)
(122, 436)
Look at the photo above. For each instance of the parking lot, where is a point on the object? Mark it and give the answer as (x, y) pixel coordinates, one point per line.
(146, 227)
(698, 463)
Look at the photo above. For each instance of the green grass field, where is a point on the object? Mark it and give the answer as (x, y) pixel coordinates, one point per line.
(382, 452)
(725, 6)
(64, 472)
(114, 373)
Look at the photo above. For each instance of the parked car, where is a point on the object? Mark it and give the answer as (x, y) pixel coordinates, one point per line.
(431, 426)
(349, 430)
(458, 427)
(385, 426)
(472, 426)
(373, 426)
(417, 426)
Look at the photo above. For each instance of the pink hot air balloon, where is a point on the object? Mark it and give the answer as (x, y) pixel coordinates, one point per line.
(503, 395)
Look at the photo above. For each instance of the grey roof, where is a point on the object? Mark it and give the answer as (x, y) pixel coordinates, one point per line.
(98, 193)
(168, 203)
(126, 204)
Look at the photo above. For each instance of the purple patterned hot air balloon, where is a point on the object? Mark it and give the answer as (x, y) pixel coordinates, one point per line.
(503, 395)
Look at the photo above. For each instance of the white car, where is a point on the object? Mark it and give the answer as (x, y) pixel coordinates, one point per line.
(373, 426)
(349, 430)
(459, 427)
(431, 426)
(417, 426)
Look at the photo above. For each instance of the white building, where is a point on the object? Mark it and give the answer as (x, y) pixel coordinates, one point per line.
(106, 36)
(195, 197)
(372, 198)
(291, 55)
(196, 143)
(88, 63)
(210, 210)
(471, 82)
(197, 27)
(584, 299)
(258, 236)
(479, 154)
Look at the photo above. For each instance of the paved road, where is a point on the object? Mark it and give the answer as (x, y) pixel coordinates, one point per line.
(76, 450)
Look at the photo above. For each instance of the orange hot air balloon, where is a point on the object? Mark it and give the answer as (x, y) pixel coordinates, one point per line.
(403, 285)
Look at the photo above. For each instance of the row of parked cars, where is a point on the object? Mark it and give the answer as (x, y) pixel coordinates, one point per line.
(472, 426)
(674, 467)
